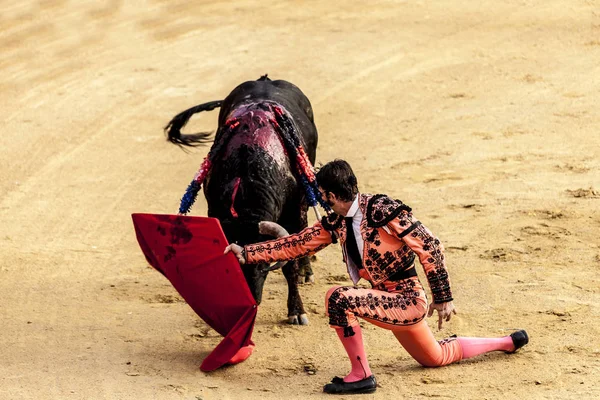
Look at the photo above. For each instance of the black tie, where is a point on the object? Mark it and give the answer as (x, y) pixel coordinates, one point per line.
(351, 246)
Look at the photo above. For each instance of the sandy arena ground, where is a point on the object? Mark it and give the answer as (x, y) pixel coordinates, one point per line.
(481, 115)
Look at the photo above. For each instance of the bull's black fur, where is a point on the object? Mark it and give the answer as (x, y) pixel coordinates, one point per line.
(268, 190)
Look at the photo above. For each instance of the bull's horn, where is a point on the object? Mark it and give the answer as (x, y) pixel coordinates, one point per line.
(271, 229)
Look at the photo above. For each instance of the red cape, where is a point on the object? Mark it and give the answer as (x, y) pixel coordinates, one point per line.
(188, 251)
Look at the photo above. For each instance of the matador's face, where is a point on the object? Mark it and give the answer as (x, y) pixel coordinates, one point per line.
(333, 201)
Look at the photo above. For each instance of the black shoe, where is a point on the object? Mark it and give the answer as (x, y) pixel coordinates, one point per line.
(338, 386)
(519, 339)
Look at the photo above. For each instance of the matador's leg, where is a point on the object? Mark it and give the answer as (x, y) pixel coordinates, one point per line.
(419, 342)
(345, 304)
(404, 316)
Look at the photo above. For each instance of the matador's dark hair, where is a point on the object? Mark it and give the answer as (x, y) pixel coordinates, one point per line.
(338, 178)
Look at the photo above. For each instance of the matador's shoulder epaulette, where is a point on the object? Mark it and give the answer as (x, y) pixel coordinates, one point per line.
(381, 209)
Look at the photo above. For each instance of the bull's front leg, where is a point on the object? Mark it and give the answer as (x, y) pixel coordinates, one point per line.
(305, 274)
(296, 313)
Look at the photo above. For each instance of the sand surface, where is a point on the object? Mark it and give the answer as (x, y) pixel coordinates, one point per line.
(481, 115)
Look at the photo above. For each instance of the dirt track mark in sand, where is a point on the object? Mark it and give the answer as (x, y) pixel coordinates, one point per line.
(530, 78)
(514, 131)
(26, 32)
(337, 279)
(164, 299)
(571, 114)
(51, 4)
(106, 11)
(554, 232)
(422, 160)
(443, 177)
(507, 132)
(503, 254)
(590, 193)
(467, 206)
(578, 168)
(547, 214)
(127, 290)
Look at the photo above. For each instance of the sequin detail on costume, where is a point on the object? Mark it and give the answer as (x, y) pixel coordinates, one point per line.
(264, 249)
(381, 209)
(405, 307)
(438, 276)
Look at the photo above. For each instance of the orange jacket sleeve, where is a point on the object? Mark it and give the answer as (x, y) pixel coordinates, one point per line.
(304, 243)
(430, 251)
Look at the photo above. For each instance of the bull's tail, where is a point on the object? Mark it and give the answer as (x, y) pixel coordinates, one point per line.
(173, 128)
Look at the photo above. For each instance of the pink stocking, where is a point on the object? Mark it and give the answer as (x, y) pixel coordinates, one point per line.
(351, 338)
(472, 347)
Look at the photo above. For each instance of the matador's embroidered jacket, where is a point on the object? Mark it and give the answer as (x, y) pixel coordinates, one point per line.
(391, 234)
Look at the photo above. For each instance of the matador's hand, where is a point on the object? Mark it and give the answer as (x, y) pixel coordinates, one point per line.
(445, 311)
(238, 252)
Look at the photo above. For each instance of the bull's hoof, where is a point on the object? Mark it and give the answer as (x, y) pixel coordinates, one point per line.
(306, 279)
(301, 319)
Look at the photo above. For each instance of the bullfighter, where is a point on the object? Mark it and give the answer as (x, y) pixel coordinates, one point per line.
(380, 239)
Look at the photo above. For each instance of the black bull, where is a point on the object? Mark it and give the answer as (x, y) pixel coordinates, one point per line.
(252, 179)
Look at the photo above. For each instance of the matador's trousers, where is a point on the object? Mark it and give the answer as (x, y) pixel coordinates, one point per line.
(399, 306)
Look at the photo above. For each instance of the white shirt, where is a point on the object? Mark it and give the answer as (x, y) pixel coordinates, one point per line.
(357, 217)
